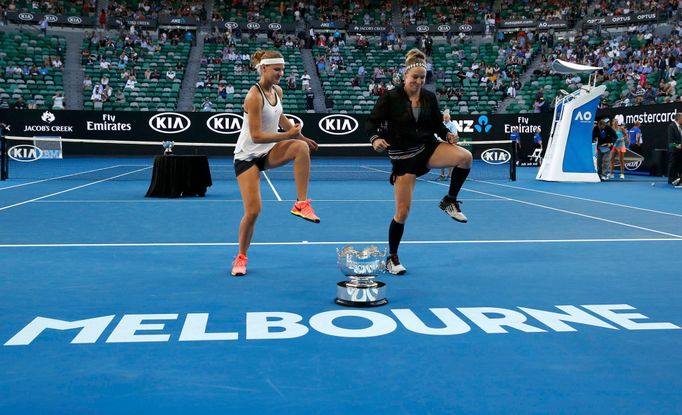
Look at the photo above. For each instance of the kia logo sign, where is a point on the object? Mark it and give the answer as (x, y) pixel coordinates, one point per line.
(466, 28)
(633, 165)
(169, 123)
(444, 28)
(225, 123)
(294, 119)
(338, 124)
(74, 20)
(253, 25)
(231, 25)
(422, 28)
(496, 156)
(275, 26)
(25, 153)
(25, 16)
(51, 18)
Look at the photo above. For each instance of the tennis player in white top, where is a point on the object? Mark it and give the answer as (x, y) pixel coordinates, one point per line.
(261, 147)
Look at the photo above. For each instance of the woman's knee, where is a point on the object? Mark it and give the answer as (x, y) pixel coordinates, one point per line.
(401, 213)
(467, 159)
(300, 148)
(251, 213)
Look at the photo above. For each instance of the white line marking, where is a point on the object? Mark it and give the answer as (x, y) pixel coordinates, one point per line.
(561, 210)
(204, 200)
(63, 177)
(70, 189)
(582, 198)
(272, 187)
(341, 243)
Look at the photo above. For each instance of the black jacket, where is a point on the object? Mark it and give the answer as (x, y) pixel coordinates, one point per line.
(392, 120)
(608, 136)
(674, 136)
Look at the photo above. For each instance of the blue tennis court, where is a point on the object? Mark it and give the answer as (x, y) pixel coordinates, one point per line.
(554, 298)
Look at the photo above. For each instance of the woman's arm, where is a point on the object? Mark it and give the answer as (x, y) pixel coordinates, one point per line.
(253, 106)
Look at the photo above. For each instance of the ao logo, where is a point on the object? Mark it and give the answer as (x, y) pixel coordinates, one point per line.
(275, 26)
(74, 20)
(253, 25)
(294, 119)
(225, 123)
(25, 153)
(422, 28)
(231, 25)
(51, 18)
(444, 28)
(496, 156)
(25, 16)
(338, 124)
(169, 123)
(583, 116)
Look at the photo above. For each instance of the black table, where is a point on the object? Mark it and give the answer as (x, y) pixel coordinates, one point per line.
(177, 176)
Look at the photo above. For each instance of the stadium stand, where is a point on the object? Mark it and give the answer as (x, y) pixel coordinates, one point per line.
(130, 72)
(226, 75)
(31, 70)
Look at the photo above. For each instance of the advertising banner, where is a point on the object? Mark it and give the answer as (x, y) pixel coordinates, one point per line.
(224, 127)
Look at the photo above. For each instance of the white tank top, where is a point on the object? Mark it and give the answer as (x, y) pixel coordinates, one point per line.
(246, 149)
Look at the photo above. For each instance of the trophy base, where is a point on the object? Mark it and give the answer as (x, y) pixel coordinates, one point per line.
(361, 296)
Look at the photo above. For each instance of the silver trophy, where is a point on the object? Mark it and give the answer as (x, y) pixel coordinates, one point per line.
(168, 147)
(361, 268)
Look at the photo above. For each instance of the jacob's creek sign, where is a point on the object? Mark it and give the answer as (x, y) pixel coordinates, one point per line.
(142, 328)
(49, 123)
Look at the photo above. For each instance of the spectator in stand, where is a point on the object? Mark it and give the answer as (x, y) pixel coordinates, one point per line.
(170, 75)
(305, 81)
(58, 101)
(310, 99)
(131, 82)
(102, 20)
(19, 104)
(291, 81)
(43, 26)
(120, 97)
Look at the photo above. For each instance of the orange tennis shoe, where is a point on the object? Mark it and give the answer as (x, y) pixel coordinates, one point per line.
(304, 210)
(239, 265)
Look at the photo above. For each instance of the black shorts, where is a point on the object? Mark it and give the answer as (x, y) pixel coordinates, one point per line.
(417, 165)
(240, 166)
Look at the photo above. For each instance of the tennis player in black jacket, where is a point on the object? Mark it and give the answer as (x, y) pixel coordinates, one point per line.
(404, 121)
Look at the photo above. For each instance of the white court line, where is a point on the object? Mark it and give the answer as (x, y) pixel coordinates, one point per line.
(341, 243)
(279, 199)
(63, 177)
(561, 210)
(200, 200)
(70, 189)
(582, 198)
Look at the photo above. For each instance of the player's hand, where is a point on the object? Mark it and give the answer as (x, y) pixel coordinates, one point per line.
(312, 145)
(294, 132)
(380, 145)
(452, 138)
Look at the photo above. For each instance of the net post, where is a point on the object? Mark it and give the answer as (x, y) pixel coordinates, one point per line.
(4, 162)
(512, 162)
